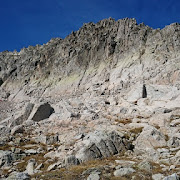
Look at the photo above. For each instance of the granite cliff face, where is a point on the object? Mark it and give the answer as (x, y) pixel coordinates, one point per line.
(95, 53)
(111, 88)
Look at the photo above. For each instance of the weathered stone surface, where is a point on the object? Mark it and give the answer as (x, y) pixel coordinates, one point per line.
(101, 144)
(174, 141)
(47, 139)
(31, 151)
(150, 138)
(172, 177)
(17, 129)
(93, 176)
(19, 176)
(71, 160)
(157, 176)
(30, 166)
(23, 116)
(40, 166)
(52, 167)
(145, 165)
(123, 172)
(5, 158)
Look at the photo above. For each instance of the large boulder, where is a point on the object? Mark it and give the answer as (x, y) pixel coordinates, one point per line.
(41, 112)
(123, 172)
(172, 177)
(174, 141)
(150, 137)
(19, 176)
(146, 166)
(30, 166)
(101, 144)
(148, 140)
(5, 158)
(22, 116)
(71, 160)
(47, 139)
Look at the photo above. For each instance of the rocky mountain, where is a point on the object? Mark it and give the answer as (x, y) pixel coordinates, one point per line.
(103, 103)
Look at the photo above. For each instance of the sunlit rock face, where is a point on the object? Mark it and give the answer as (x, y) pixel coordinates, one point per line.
(117, 54)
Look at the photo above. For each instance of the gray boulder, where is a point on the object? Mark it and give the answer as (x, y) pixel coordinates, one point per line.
(71, 160)
(145, 165)
(23, 116)
(41, 112)
(101, 144)
(149, 139)
(19, 176)
(52, 167)
(6, 158)
(157, 176)
(47, 139)
(30, 166)
(172, 177)
(174, 141)
(31, 151)
(123, 172)
(94, 176)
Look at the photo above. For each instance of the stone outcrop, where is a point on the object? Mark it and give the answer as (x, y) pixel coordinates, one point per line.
(101, 144)
(94, 54)
(19, 176)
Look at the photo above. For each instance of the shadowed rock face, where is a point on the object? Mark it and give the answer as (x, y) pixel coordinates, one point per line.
(144, 91)
(43, 112)
(1, 82)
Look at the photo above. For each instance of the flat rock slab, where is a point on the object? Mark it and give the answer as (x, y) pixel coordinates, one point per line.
(123, 172)
(19, 176)
(172, 177)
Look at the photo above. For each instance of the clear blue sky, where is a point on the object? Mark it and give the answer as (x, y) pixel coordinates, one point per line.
(31, 22)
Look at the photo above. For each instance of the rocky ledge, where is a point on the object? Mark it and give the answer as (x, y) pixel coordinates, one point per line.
(103, 103)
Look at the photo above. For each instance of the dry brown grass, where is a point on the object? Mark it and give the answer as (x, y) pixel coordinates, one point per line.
(6, 147)
(157, 147)
(158, 169)
(124, 121)
(157, 127)
(4, 172)
(166, 137)
(119, 178)
(74, 172)
(136, 130)
(39, 158)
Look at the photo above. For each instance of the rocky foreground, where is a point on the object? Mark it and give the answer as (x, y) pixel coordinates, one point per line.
(103, 103)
